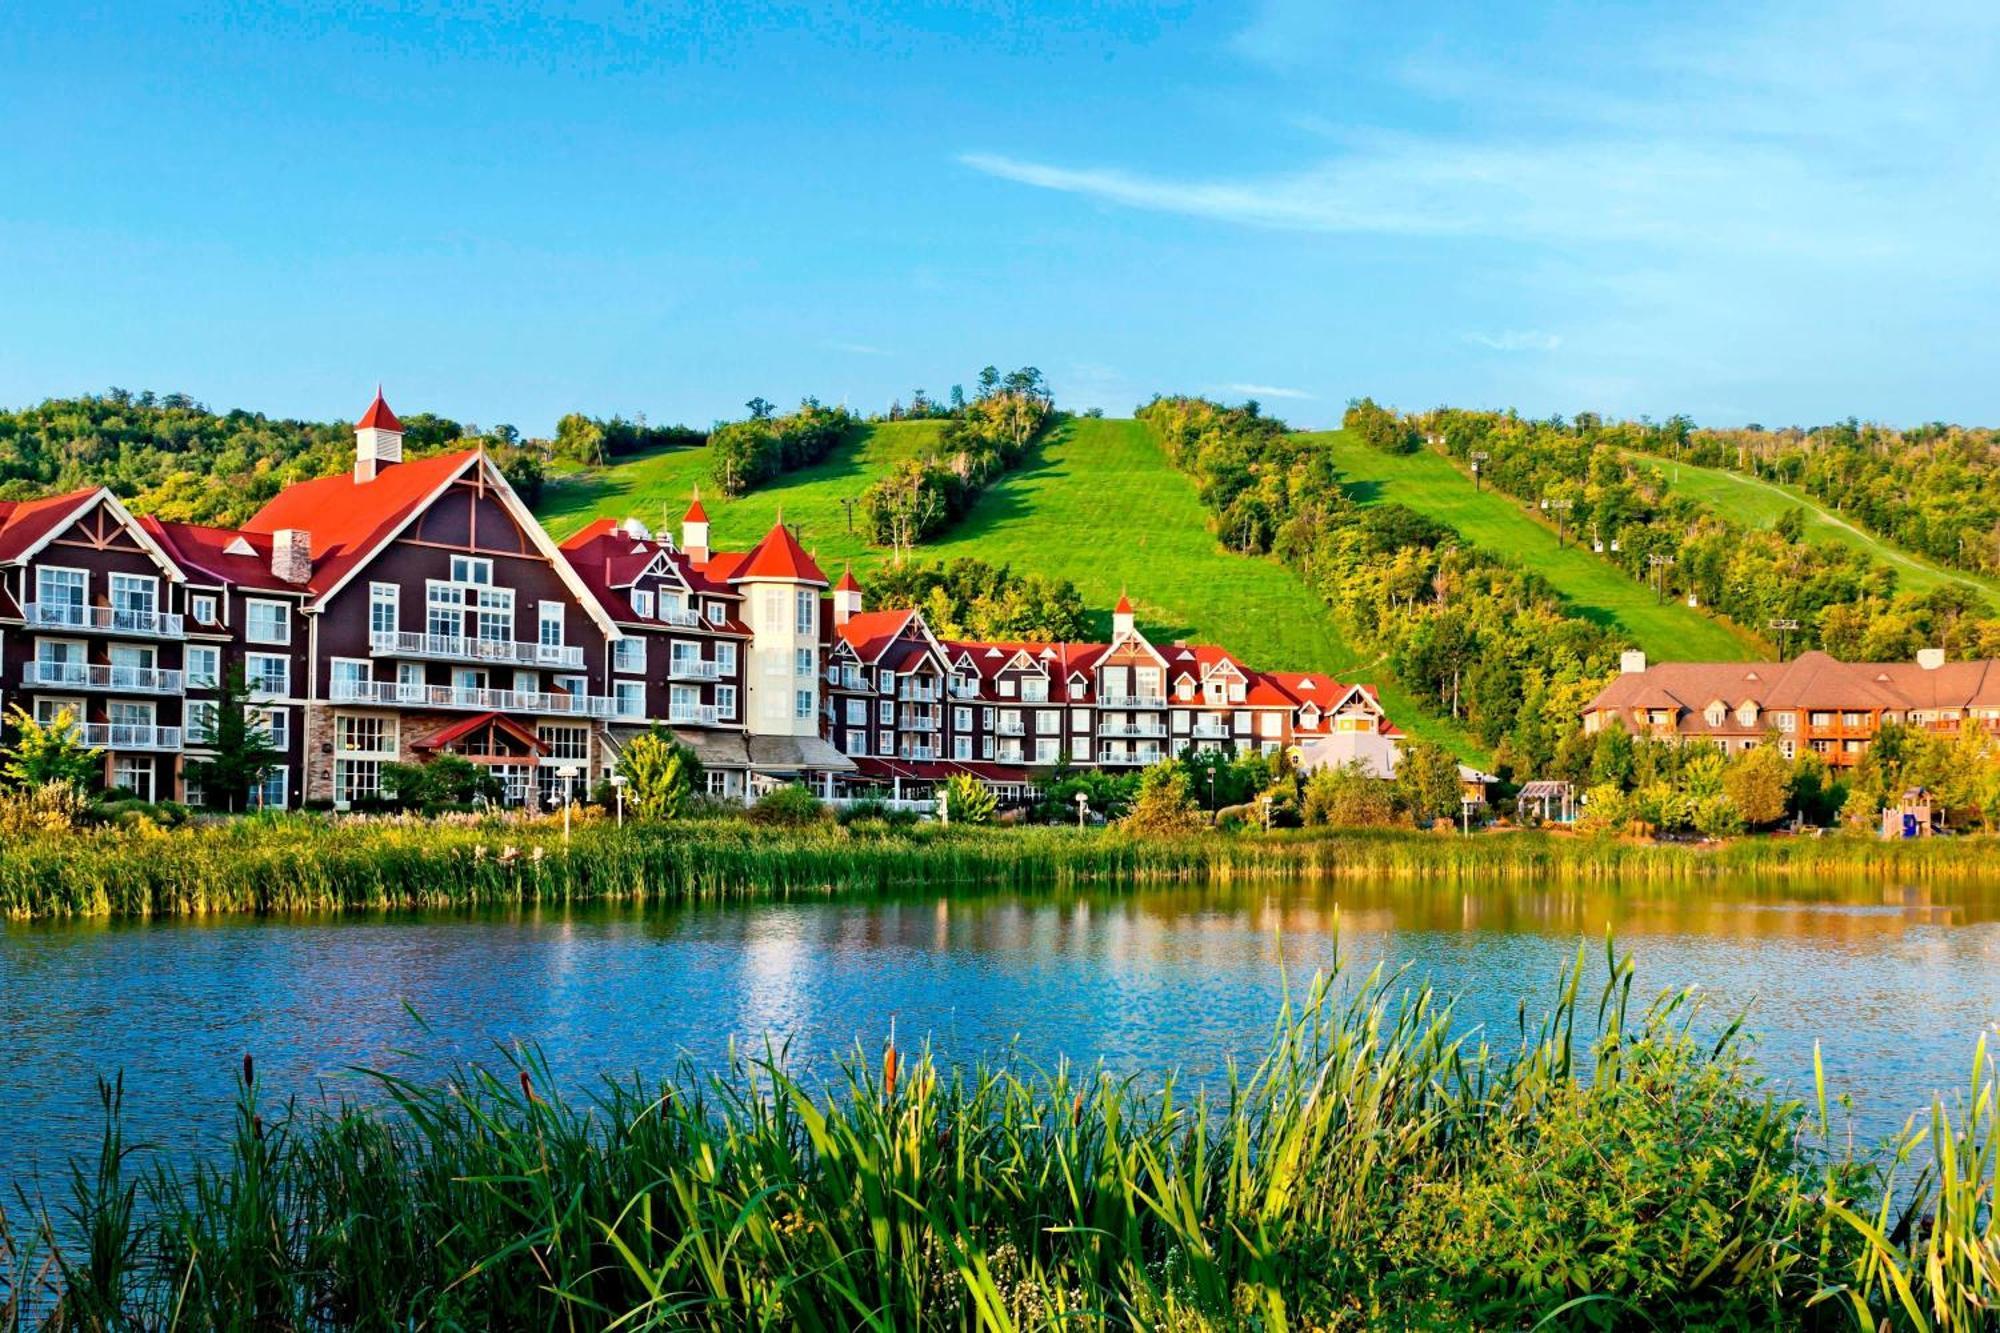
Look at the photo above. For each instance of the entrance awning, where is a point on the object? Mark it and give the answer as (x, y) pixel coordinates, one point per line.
(472, 726)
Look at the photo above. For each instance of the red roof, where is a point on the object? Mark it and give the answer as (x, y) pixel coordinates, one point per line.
(1124, 607)
(847, 583)
(604, 558)
(349, 518)
(378, 416)
(204, 552)
(25, 522)
(870, 633)
(472, 724)
(695, 513)
(779, 556)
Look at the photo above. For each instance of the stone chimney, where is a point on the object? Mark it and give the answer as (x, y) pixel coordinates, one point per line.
(291, 555)
(1632, 662)
(378, 439)
(846, 598)
(1930, 659)
(694, 531)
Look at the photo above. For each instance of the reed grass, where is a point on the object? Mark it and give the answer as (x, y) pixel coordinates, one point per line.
(302, 863)
(1371, 1170)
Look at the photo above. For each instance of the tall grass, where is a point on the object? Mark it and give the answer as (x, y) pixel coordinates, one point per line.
(1373, 1169)
(308, 863)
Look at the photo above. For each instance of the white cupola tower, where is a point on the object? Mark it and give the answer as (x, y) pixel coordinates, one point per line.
(694, 531)
(378, 439)
(846, 598)
(1121, 617)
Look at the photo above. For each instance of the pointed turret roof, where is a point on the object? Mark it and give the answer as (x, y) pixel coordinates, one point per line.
(847, 583)
(1124, 607)
(695, 513)
(779, 556)
(378, 416)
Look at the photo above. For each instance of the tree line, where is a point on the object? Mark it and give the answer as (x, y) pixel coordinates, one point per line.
(971, 599)
(764, 445)
(985, 438)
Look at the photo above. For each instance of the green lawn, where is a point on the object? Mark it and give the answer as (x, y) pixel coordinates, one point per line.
(1757, 503)
(1432, 484)
(1099, 505)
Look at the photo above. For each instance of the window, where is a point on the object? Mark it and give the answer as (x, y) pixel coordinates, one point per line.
(725, 702)
(1034, 689)
(527, 682)
(201, 721)
(363, 735)
(136, 594)
(888, 682)
(961, 747)
(642, 604)
(566, 742)
(1048, 722)
(857, 742)
(202, 607)
(725, 659)
(629, 654)
(1271, 724)
(444, 611)
(267, 622)
(805, 603)
(60, 591)
(574, 686)
(348, 675)
(134, 773)
(885, 713)
(1007, 688)
(267, 673)
(1079, 719)
(496, 614)
(204, 666)
(985, 747)
(1786, 721)
(718, 612)
(857, 712)
(802, 703)
(961, 719)
(277, 726)
(274, 791)
(382, 601)
(468, 569)
(356, 780)
(192, 792)
(1047, 751)
(549, 623)
(631, 697)
(410, 676)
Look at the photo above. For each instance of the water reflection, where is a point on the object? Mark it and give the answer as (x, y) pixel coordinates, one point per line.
(1897, 982)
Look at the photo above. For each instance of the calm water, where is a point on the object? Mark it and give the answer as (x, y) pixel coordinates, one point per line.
(1897, 983)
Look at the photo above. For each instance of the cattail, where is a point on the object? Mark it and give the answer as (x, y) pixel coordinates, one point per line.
(1076, 1109)
(527, 1087)
(257, 1128)
(889, 1070)
(249, 1070)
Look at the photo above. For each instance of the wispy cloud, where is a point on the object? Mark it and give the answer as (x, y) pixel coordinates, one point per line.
(1266, 391)
(856, 349)
(1517, 340)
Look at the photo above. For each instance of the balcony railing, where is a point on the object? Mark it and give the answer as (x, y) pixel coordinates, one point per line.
(920, 752)
(918, 719)
(920, 694)
(1144, 754)
(105, 619)
(689, 619)
(700, 715)
(1132, 729)
(1211, 731)
(495, 701)
(693, 668)
(94, 676)
(459, 648)
(1131, 701)
(1007, 728)
(965, 690)
(124, 736)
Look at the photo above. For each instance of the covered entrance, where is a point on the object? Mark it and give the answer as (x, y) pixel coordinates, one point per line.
(510, 750)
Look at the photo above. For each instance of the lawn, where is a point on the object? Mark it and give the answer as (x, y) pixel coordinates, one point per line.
(1100, 506)
(1431, 484)
(1757, 503)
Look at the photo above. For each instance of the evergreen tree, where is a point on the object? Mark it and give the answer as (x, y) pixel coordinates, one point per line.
(242, 747)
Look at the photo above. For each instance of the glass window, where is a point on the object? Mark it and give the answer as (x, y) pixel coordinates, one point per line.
(806, 602)
(1034, 689)
(138, 593)
(60, 587)
(888, 682)
(629, 653)
(356, 780)
(802, 661)
(642, 604)
(267, 622)
(886, 713)
(566, 742)
(725, 658)
(382, 601)
(549, 619)
(204, 666)
(351, 672)
(274, 791)
(363, 735)
(496, 614)
(201, 720)
(725, 702)
(468, 569)
(202, 607)
(857, 712)
(277, 726)
(802, 703)
(631, 697)
(267, 673)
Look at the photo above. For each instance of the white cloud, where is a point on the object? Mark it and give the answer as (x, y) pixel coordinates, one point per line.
(1266, 391)
(856, 349)
(1517, 340)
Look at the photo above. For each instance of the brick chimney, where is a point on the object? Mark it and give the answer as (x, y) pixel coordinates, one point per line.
(291, 555)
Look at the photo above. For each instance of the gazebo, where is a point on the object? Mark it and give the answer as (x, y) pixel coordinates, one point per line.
(1552, 802)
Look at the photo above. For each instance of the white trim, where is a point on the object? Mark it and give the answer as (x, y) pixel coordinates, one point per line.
(167, 564)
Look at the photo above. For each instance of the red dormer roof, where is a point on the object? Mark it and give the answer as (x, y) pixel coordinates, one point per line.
(847, 583)
(695, 513)
(378, 416)
(779, 556)
(25, 522)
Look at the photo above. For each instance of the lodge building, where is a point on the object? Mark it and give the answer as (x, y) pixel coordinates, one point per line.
(410, 608)
(1814, 702)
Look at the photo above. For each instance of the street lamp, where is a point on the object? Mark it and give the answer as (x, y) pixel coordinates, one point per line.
(569, 774)
(618, 781)
(1082, 808)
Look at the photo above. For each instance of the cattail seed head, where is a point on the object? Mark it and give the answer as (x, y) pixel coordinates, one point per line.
(527, 1087)
(257, 1128)
(249, 1070)
(889, 1070)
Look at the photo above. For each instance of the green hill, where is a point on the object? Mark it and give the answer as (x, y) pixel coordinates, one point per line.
(1754, 502)
(1429, 483)
(1099, 505)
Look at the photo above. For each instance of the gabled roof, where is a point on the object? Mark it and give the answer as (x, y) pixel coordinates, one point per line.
(778, 556)
(25, 523)
(604, 558)
(349, 519)
(457, 731)
(221, 555)
(870, 633)
(378, 416)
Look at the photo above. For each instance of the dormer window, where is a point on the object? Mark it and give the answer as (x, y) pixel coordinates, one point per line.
(1715, 712)
(1185, 689)
(642, 604)
(1746, 713)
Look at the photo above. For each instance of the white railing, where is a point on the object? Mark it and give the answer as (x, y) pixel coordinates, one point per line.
(91, 676)
(1132, 701)
(460, 648)
(1142, 755)
(1132, 729)
(124, 736)
(693, 668)
(701, 715)
(112, 619)
(689, 619)
(1211, 731)
(919, 752)
(496, 701)
(1012, 728)
(918, 694)
(919, 721)
(969, 690)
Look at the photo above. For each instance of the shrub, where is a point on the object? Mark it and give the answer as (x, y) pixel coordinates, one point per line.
(964, 799)
(53, 807)
(661, 775)
(1348, 797)
(1163, 806)
(789, 806)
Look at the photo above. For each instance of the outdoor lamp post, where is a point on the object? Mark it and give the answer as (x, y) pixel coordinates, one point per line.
(569, 774)
(1082, 808)
(618, 781)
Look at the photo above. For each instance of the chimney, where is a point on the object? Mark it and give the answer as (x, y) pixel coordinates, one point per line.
(1632, 662)
(694, 531)
(1121, 616)
(1930, 659)
(378, 439)
(291, 555)
(846, 598)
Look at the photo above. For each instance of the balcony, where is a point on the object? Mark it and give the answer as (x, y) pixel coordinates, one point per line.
(104, 620)
(1015, 728)
(686, 619)
(1144, 754)
(919, 719)
(919, 752)
(910, 692)
(693, 668)
(486, 701)
(123, 736)
(1155, 729)
(697, 715)
(1206, 730)
(94, 676)
(458, 648)
(964, 689)
(1131, 701)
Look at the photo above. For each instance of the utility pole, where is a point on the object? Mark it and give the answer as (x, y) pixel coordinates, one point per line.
(1561, 510)
(1659, 564)
(1477, 456)
(1784, 625)
(847, 503)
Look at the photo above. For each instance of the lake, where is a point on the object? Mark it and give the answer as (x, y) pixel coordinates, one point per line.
(1897, 983)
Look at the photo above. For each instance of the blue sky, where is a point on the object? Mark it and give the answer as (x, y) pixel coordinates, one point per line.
(1746, 212)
